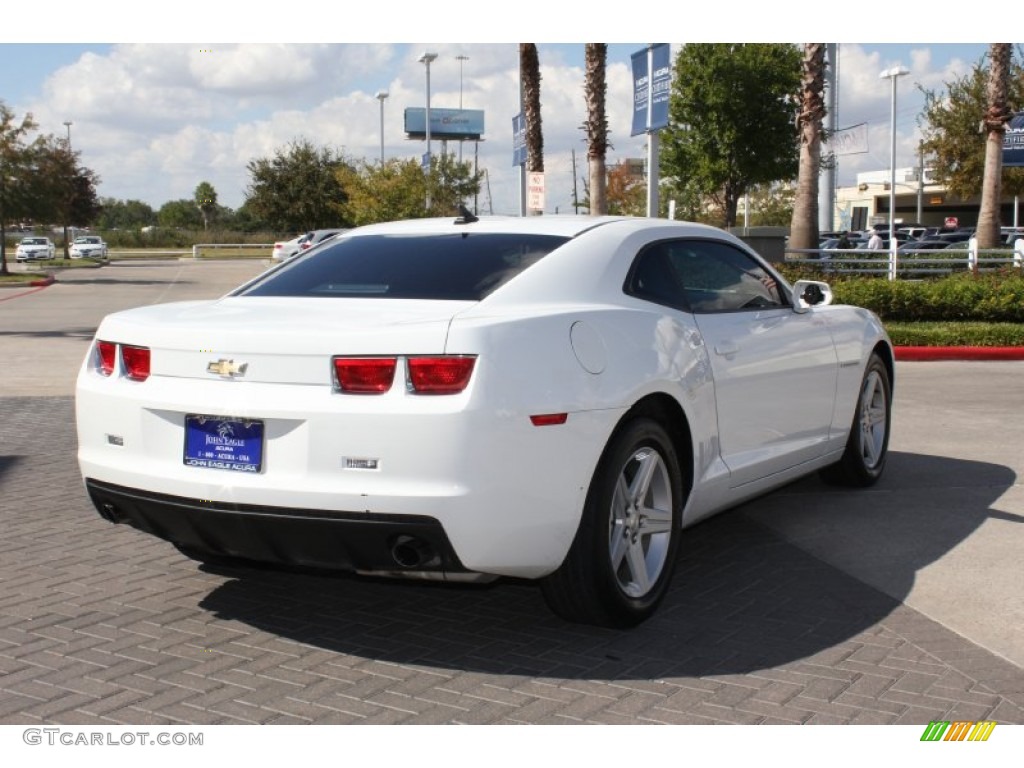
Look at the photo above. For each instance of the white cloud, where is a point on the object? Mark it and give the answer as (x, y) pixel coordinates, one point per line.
(156, 119)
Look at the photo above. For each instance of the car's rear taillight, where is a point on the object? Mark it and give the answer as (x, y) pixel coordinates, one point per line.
(364, 375)
(107, 351)
(136, 362)
(447, 375)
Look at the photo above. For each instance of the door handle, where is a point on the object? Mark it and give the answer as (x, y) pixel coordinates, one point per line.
(726, 348)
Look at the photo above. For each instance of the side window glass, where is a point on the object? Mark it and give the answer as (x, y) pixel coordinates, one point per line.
(718, 277)
(654, 277)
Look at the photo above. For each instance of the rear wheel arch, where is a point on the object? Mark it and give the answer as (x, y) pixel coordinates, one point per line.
(667, 411)
(620, 563)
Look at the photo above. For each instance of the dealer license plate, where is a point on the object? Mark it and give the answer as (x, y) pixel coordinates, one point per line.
(218, 443)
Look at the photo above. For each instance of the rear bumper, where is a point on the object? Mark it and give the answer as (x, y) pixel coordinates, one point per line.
(346, 541)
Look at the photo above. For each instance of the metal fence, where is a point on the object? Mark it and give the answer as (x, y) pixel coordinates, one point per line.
(859, 261)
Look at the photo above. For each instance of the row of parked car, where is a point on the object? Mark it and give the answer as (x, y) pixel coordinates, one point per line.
(912, 239)
(42, 248)
(287, 249)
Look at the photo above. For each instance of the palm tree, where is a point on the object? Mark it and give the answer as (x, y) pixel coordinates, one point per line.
(529, 75)
(595, 90)
(804, 225)
(996, 116)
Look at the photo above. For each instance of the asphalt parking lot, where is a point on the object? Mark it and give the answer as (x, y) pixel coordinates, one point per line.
(900, 604)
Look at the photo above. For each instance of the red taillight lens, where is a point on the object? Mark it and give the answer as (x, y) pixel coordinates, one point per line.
(440, 375)
(364, 375)
(136, 362)
(108, 354)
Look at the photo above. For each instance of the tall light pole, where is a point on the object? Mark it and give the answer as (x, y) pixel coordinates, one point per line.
(462, 59)
(381, 95)
(68, 124)
(426, 58)
(893, 73)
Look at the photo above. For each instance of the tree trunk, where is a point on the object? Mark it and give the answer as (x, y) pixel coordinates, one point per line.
(996, 116)
(529, 74)
(803, 231)
(3, 246)
(595, 91)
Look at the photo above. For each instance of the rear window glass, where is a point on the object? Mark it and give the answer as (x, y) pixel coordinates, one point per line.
(462, 267)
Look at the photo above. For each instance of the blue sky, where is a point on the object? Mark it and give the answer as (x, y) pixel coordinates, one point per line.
(154, 117)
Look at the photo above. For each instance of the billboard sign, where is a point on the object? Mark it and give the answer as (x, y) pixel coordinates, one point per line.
(652, 83)
(444, 123)
(1013, 142)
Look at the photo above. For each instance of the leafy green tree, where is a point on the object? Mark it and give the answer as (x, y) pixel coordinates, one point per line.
(625, 191)
(810, 122)
(206, 201)
(772, 205)
(731, 120)
(396, 189)
(298, 188)
(17, 166)
(66, 189)
(180, 214)
(950, 124)
(243, 219)
(125, 214)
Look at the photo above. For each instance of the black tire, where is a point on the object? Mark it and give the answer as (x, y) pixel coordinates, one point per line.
(868, 444)
(620, 563)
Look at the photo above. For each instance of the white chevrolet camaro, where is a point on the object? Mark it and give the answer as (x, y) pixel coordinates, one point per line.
(553, 398)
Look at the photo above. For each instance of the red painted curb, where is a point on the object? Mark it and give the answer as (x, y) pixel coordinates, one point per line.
(44, 282)
(959, 353)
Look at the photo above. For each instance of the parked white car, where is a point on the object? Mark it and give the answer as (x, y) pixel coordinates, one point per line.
(552, 398)
(88, 246)
(34, 249)
(285, 249)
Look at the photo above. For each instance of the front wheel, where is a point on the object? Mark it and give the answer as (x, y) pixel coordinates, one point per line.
(868, 444)
(620, 563)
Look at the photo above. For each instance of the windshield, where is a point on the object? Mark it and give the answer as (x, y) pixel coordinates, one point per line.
(461, 267)
(33, 241)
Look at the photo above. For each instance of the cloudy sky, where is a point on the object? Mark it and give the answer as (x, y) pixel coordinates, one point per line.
(154, 115)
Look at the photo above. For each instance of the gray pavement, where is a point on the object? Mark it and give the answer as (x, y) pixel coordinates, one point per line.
(900, 604)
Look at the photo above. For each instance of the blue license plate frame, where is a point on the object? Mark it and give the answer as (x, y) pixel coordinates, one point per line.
(222, 442)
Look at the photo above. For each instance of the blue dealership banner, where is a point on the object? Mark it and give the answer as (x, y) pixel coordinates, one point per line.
(518, 140)
(652, 84)
(1013, 142)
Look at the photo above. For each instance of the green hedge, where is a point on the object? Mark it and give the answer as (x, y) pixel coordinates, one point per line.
(991, 297)
(956, 334)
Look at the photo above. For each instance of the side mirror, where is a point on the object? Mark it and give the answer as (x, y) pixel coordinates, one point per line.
(810, 293)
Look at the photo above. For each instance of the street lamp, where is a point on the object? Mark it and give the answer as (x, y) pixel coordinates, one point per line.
(462, 59)
(426, 58)
(893, 73)
(381, 95)
(68, 124)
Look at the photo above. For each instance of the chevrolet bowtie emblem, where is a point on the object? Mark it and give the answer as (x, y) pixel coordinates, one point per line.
(227, 368)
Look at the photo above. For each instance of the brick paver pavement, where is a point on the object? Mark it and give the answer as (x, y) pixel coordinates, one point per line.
(101, 624)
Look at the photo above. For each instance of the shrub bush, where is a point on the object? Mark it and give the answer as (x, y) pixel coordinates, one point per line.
(992, 297)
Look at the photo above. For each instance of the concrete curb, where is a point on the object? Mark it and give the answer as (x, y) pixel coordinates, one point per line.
(925, 354)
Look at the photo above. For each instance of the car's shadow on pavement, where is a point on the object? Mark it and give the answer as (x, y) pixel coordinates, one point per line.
(744, 598)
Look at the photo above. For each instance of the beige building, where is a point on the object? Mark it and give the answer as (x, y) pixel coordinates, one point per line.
(867, 203)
